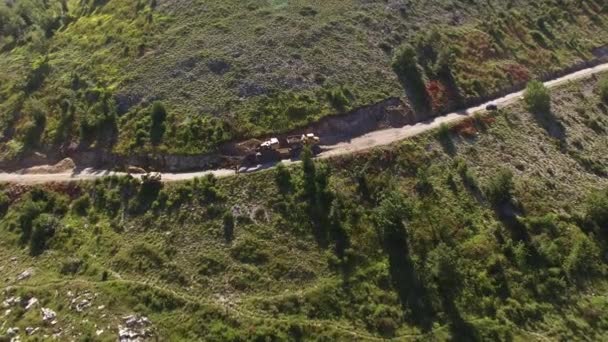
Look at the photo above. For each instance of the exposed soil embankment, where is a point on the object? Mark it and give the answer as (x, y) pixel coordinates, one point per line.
(342, 128)
(392, 112)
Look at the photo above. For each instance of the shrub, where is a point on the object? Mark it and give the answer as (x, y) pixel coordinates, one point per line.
(81, 205)
(583, 258)
(500, 187)
(43, 229)
(249, 251)
(597, 208)
(405, 65)
(405, 61)
(537, 97)
(339, 97)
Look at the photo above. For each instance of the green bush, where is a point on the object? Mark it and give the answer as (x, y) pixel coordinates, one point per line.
(339, 97)
(499, 189)
(81, 205)
(249, 251)
(405, 65)
(537, 97)
(44, 228)
(597, 208)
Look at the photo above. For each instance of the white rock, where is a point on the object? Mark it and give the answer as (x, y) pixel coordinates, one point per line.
(12, 331)
(99, 332)
(31, 331)
(85, 303)
(30, 303)
(135, 329)
(49, 315)
(25, 274)
(11, 302)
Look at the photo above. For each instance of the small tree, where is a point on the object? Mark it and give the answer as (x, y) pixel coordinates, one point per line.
(43, 230)
(405, 65)
(537, 97)
(597, 208)
(500, 188)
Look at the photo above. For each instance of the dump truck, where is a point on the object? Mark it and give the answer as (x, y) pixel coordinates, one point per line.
(275, 149)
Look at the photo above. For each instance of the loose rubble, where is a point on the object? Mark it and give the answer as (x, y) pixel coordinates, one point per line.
(136, 329)
(12, 301)
(31, 331)
(49, 315)
(82, 302)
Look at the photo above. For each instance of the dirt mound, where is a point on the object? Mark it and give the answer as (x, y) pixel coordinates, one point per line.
(64, 165)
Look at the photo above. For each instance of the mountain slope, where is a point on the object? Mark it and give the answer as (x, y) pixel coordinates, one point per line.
(491, 229)
(84, 74)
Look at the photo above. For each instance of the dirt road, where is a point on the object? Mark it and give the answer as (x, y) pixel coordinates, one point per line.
(364, 142)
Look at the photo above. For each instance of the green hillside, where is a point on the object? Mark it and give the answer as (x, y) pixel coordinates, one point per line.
(493, 229)
(84, 74)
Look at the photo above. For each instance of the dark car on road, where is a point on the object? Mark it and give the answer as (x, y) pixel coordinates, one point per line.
(491, 107)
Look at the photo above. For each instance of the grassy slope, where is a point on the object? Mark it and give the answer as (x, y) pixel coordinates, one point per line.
(478, 272)
(228, 70)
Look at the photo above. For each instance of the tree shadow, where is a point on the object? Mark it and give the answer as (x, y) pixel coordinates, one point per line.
(509, 213)
(452, 87)
(447, 143)
(551, 124)
(415, 90)
(461, 329)
(412, 293)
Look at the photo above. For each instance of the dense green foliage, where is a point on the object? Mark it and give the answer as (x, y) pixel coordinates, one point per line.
(537, 97)
(228, 70)
(501, 237)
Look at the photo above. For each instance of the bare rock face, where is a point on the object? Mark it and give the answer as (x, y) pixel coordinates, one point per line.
(135, 329)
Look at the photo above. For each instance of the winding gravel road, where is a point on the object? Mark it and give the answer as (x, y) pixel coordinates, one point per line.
(364, 142)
